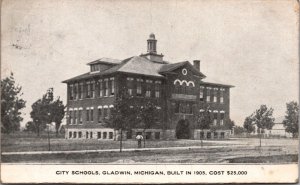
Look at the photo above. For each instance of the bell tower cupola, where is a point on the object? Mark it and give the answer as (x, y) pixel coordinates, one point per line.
(151, 50)
(151, 44)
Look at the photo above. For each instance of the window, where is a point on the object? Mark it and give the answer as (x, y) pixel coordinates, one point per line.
(215, 135)
(80, 116)
(215, 118)
(91, 135)
(157, 135)
(92, 115)
(110, 135)
(148, 135)
(139, 87)
(87, 135)
(99, 114)
(222, 95)
(71, 116)
(75, 116)
(76, 91)
(88, 89)
(112, 92)
(157, 89)
(74, 134)
(95, 67)
(130, 86)
(201, 95)
(105, 113)
(79, 134)
(222, 135)
(106, 87)
(98, 135)
(92, 89)
(70, 134)
(208, 135)
(215, 94)
(201, 135)
(222, 118)
(208, 94)
(148, 88)
(100, 86)
(104, 135)
(87, 115)
(71, 92)
(80, 91)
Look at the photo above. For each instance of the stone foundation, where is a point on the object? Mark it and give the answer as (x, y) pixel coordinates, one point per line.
(148, 134)
(207, 134)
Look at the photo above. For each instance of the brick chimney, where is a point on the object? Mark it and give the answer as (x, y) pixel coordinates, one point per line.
(197, 64)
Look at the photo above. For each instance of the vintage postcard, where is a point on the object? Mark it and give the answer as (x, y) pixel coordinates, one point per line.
(126, 91)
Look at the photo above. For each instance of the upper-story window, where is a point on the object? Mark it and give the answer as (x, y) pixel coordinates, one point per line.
(90, 90)
(208, 89)
(130, 85)
(222, 95)
(71, 92)
(70, 116)
(95, 67)
(215, 117)
(99, 114)
(112, 83)
(139, 87)
(75, 91)
(80, 116)
(157, 89)
(184, 107)
(75, 117)
(215, 95)
(105, 87)
(201, 95)
(92, 114)
(148, 88)
(87, 114)
(80, 90)
(105, 112)
(100, 87)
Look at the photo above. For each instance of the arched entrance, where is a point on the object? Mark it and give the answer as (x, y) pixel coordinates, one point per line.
(183, 129)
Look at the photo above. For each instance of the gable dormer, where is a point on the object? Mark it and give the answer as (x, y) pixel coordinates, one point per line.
(103, 64)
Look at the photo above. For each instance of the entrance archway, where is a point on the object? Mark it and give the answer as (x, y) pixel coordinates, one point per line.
(183, 129)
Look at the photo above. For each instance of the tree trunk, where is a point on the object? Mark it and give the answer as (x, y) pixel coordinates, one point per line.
(144, 139)
(121, 140)
(56, 129)
(38, 131)
(201, 138)
(259, 138)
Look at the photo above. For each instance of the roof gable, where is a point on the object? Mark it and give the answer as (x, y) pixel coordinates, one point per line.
(172, 67)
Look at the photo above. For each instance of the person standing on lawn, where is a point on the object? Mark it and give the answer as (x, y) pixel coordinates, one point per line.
(139, 139)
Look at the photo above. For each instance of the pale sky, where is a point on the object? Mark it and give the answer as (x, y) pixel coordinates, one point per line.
(252, 45)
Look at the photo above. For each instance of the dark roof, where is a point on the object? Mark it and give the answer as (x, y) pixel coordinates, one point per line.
(135, 64)
(143, 66)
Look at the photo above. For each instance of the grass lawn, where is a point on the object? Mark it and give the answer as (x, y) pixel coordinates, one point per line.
(199, 155)
(13, 143)
(229, 151)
